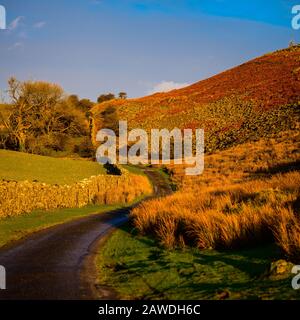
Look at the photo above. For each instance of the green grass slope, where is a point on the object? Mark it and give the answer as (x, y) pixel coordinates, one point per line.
(20, 166)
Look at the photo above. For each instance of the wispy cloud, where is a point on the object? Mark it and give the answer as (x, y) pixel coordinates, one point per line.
(166, 86)
(39, 25)
(15, 23)
(23, 35)
(17, 45)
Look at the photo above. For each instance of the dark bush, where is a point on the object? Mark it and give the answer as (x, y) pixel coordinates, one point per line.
(85, 149)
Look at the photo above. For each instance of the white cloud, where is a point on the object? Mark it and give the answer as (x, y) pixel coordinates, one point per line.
(166, 86)
(39, 24)
(15, 23)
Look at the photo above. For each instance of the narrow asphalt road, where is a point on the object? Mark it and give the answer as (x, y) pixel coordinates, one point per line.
(54, 263)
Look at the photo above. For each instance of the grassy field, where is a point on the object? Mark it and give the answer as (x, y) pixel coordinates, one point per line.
(138, 268)
(22, 166)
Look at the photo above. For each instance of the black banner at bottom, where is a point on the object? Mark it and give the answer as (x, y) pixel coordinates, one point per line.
(146, 309)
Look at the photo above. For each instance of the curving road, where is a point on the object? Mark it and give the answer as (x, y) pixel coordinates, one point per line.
(58, 262)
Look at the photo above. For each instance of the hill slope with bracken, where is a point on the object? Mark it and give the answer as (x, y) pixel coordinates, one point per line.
(256, 99)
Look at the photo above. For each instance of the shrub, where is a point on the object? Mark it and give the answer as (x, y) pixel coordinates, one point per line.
(85, 148)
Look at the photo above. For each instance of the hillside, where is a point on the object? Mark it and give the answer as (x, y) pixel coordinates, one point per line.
(248, 102)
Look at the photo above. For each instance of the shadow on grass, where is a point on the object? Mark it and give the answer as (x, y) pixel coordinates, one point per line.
(191, 273)
(279, 168)
(249, 260)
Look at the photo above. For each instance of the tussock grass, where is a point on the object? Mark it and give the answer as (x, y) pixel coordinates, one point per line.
(246, 196)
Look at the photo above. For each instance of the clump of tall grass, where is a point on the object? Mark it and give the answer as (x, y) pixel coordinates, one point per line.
(286, 230)
(234, 216)
(247, 195)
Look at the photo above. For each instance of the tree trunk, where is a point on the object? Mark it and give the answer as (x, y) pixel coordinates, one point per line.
(22, 143)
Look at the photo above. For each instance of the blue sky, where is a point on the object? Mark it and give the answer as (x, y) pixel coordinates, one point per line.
(96, 46)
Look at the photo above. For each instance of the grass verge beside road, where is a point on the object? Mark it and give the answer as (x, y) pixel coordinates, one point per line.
(17, 227)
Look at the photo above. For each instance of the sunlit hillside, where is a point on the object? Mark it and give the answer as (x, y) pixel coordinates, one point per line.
(254, 100)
